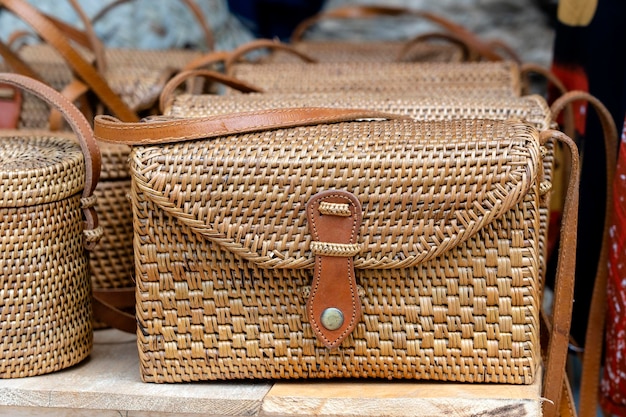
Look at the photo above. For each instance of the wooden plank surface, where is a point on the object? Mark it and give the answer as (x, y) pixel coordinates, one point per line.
(109, 380)
(402, 398)
(108, 384)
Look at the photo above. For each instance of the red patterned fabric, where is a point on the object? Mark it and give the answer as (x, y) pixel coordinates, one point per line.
(613, 387)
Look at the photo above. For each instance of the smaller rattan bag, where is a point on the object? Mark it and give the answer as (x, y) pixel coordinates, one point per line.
(48, 226)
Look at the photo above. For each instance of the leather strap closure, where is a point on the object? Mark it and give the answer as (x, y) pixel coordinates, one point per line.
(10, 106)
(334, 307)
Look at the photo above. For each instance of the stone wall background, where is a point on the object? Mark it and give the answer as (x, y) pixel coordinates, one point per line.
(146, 24)
(523, 24)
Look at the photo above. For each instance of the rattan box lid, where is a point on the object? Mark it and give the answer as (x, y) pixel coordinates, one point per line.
(39, 168)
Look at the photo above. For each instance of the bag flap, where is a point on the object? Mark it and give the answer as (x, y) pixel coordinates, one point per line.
(424, 187)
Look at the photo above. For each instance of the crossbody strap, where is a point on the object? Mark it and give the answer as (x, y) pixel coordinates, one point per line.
(168, 130)
(594, 337)
(556, 353)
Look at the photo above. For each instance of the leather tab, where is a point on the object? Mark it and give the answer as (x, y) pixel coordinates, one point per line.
(10, 106)
(334, 307)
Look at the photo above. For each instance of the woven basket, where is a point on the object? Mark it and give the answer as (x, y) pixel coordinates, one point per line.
(446, 259)
(46, 185)
(497, 78)
(531, 109)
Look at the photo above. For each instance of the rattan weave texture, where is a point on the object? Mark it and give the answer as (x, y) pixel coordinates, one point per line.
(531, 109)
(448, 273)
(46, 295)
(486, 78)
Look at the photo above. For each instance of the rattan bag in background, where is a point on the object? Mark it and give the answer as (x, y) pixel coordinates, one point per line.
(48, 222)
(494, 78)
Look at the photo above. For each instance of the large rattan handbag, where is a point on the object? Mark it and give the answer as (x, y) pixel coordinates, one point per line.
(325, 243)
(48, 224)
(533, 109)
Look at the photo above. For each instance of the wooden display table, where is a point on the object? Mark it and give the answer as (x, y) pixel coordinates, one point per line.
(108, 384)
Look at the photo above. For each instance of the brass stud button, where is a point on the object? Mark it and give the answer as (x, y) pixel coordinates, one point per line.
(332, 318)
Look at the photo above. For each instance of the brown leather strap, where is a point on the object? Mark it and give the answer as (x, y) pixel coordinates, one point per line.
(334, 307)
(10, 106)
(567, 406)
(498, 44)
(184, 76)
(53, 36)
(108, 305)
(191, 5)
(258, 44)
(163, 130)
(353, 12)
(16, 36)
(556, 353)
(592, 355)
(207, 60)
(81, 128)
(430, 36)
(16, 63)
(96, 46)
(528, 68)
(74, 91)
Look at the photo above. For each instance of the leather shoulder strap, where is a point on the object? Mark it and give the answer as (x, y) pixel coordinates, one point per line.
(592, 356)
(184, 76)
(258, 44)
(164, 130)
(451, 38)
(556, 354)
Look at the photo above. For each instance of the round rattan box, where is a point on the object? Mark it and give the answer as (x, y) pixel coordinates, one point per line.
(48, 223)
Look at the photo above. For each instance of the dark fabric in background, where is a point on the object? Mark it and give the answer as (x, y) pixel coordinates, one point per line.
(274, 18)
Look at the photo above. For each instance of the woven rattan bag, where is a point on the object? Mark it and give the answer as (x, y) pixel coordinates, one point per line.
(309, 75)
(137, 76)
(532, 109)
(307, 243)
(112, 266)
(48, 224)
